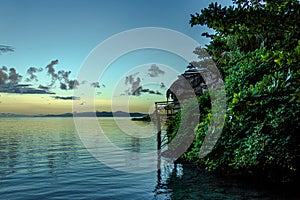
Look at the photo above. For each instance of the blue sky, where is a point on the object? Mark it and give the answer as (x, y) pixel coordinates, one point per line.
(41, 31)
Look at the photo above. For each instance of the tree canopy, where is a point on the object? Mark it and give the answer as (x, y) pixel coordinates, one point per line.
(256, 47)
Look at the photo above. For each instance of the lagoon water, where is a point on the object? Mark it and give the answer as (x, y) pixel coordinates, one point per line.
(44, 158)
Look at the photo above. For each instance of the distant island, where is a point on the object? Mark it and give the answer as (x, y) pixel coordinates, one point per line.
(145, 118)
(82, 114)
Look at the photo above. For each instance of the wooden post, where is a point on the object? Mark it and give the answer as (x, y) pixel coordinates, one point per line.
(158, 128)
(158, 138)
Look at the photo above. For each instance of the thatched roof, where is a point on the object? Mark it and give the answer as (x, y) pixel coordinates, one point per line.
(187, 85)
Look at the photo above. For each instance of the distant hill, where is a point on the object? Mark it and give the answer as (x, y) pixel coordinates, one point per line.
(83, 114)
(13, 115)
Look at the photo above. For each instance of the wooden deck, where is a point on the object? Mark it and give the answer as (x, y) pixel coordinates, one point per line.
(163, 110)
(166, 107)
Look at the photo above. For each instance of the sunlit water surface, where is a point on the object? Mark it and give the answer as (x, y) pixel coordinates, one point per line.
(44, 158)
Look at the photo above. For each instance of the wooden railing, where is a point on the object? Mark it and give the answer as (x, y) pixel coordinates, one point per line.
(163, 110)
(168, 108)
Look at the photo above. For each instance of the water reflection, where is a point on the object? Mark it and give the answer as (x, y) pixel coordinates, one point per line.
(186, 181)
(29, 143)
(135, 145)
(8, 153)
(45, 157)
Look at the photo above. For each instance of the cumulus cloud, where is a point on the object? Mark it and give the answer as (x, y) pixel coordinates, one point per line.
(31, 72)
(10, 79)
(51, 71)
(66, 98)
(3, 75)
(9, 76)
(63, 86)
(73, 84)
(135, 84)
(13, 76)
(9, 82)
(154, 71)
(62, 76)
(129, 79)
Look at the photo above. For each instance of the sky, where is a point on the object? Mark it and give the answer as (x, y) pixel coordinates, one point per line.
(45, 45)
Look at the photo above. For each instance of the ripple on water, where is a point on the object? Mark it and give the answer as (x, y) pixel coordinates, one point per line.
(43, 158)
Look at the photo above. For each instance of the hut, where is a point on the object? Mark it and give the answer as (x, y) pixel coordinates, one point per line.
(188, 85)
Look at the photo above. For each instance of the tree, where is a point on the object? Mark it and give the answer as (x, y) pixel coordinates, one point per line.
(256, 46)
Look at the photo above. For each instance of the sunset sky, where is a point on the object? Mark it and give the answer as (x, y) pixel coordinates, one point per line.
(44, 44)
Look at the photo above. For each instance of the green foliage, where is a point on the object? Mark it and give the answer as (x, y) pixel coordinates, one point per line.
(186, 120)
(257, 49)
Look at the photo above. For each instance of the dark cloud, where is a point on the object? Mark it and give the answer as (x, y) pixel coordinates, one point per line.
(9, 76)
(5, 49)
(73, 84)
(69, 85)
(158, 92)
(162, 85)
(95, 85)
(61, 76)
(31, 72)
(51, 71)
(3, 75)
(136, 88)
(9, 82)
(13, 76)
(140, 90)
(154, 71)
(63, 86)
(129, 79)
(145, 90)
(137, 92)
(154, 92)
(22, 89)
(136, 85)
(43, 87)
(66, 98)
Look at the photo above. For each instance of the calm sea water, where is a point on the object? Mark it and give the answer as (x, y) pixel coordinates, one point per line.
(44, 158)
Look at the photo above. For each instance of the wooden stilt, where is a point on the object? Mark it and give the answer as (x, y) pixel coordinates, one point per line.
(158, 144)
